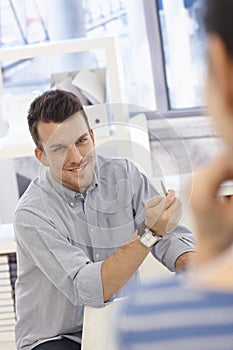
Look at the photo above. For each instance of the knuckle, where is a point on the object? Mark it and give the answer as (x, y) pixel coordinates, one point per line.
(164, 218)
(171, 193)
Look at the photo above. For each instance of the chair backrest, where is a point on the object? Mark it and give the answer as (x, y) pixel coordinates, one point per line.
(97, 333)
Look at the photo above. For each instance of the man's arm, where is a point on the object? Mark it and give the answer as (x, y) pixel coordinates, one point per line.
(120, 266)
(212, 214)
(184, 261)
(117, 269)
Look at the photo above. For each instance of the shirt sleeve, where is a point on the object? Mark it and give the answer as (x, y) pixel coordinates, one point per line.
(66, 266)
(173, 244)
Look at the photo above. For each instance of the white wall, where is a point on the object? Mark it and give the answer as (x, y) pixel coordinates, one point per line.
(8, 190)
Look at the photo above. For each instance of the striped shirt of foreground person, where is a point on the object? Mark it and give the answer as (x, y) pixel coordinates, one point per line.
(174, 315)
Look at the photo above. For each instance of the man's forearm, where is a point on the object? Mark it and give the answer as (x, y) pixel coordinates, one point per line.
(121, 265)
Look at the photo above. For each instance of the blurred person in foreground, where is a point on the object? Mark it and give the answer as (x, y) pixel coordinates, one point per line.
(195, 311)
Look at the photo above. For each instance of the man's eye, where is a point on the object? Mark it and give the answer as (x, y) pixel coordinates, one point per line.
(83, 140)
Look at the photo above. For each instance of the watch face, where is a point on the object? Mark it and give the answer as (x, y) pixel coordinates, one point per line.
(148, 240)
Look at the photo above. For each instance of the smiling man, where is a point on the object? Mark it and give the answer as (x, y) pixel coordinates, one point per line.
(83, 228)
(68, 149)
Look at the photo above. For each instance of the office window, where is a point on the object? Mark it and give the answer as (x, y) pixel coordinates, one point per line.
(161, 45)
(26, 22)
(30, 21)
(22, 22)
(182, 39)
(126, 19)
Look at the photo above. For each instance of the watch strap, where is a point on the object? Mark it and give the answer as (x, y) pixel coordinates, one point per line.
(142, 228)
(147, 237)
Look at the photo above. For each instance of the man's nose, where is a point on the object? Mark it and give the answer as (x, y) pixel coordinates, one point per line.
(74, 155)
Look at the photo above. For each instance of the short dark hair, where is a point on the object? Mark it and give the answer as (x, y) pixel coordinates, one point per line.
(219, 20)
(52, 106)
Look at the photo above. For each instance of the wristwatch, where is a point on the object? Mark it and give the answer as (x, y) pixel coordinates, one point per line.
(147, 237)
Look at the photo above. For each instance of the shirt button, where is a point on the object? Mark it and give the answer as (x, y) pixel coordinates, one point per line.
(92, 230)
(97, 256)
(71, 204)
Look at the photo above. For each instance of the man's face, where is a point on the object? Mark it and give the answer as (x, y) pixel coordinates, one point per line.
(68, 151)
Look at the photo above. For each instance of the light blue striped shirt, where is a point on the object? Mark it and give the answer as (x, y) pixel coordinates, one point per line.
(63, 238)
(172, 315)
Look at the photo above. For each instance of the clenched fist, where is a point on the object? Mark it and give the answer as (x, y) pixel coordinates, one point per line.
(163, 213)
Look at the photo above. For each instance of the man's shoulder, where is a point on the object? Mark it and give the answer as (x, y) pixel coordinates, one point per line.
(157, 293)
(117, 163)
(110, 160)
(151, 297)
(173, 282)
(32, 196)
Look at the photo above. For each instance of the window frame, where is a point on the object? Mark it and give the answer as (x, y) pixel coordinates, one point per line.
(158, 67)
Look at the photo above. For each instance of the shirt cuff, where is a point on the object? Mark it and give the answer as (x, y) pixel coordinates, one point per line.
(89, 285)
(169, 248)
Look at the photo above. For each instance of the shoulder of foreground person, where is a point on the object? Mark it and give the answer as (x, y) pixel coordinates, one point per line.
(172, 314)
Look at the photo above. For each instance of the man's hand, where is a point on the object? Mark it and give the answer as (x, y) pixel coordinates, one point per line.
(213, 214)
(163, 213)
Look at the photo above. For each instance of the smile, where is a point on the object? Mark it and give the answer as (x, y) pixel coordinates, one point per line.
(78, 169)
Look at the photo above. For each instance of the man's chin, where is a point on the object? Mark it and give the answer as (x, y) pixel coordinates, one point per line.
(80, 184)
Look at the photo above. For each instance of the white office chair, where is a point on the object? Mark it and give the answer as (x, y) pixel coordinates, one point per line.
(97, 334)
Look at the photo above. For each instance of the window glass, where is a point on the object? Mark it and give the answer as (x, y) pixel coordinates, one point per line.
(183, 45)
(29, 21)
(126, 19)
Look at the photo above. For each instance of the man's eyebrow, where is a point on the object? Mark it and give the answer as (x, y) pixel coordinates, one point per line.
(83, 135)
(55, 145)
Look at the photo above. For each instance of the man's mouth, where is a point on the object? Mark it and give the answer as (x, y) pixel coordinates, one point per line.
(79, 168)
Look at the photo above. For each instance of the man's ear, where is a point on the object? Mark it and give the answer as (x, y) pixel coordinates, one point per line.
(221, 69)
(40, 155)
(92, 135)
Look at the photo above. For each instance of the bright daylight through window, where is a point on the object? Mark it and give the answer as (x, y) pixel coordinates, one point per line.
(30, 21)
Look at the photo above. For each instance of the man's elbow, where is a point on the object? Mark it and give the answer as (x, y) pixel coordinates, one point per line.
(184, 261)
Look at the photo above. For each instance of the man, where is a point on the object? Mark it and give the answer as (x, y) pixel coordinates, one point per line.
(196, 312)
(80, 227)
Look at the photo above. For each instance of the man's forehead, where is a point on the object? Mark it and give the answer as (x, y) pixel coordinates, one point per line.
(67, 131)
